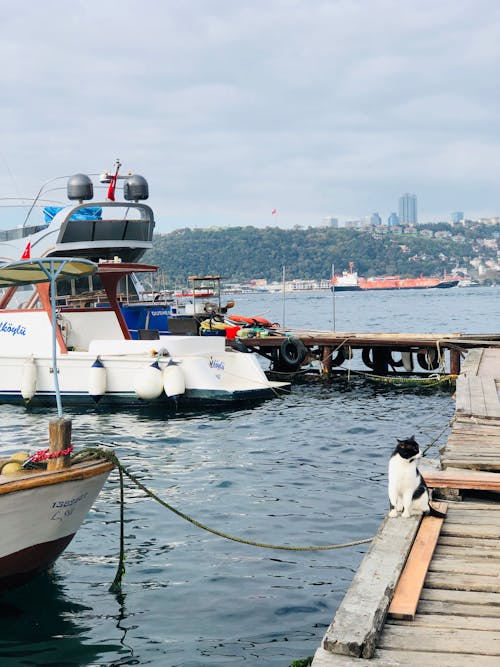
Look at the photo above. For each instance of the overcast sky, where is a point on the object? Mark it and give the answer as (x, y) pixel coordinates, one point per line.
(233, 108)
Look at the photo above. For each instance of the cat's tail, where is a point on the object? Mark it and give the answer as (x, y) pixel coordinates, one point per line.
(434, 512)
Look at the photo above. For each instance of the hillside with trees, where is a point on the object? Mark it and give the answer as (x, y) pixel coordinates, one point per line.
(240, 254)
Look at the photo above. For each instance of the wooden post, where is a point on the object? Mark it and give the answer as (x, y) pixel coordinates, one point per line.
(454, 362)
(327, 360)
(59, 439)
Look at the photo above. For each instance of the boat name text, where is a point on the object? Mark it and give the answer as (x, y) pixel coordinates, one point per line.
(216, 363)
(15, 330)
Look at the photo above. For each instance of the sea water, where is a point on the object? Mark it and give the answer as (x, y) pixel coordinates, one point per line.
(306, 469)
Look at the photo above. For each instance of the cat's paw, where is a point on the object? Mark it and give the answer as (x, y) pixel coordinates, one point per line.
(393, 512)
(406, 515)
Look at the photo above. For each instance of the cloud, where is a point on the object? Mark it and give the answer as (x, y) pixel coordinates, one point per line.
(231, 109)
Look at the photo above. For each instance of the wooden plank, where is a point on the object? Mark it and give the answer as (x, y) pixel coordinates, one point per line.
(361, 614)
(491, 397)
(442, 640)
(461, 479)
(410, 584)
(457, 529)
(470, 365)
(454, 565)
(470, 554)
(462, 396)
(486, 466)
(402, 658)
(463, 597)
(475, 543)
(447, 620)
(477, 398)
(465, 582)
(458, 609)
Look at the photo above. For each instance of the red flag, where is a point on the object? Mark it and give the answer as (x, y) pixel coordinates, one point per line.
(273, 212)
(112, 186)
(112, 182)
(27, 251)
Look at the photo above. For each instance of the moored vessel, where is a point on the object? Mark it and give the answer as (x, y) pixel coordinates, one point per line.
(349, 281)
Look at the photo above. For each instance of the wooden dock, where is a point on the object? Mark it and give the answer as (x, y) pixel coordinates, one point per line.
(429, 594)
(382, 353)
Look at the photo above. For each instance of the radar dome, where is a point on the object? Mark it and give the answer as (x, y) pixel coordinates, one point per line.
(135, 188)
(80, 187)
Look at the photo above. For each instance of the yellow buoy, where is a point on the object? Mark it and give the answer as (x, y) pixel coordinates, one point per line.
(20, 457)
(11, 468)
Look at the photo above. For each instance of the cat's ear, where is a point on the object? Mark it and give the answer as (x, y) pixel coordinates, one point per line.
(400, 442)
(412, 438)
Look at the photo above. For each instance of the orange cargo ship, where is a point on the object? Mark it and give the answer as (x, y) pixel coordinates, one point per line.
(349, 281)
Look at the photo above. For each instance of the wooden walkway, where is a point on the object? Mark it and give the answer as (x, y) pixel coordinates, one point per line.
(457, 618)
(381, 352)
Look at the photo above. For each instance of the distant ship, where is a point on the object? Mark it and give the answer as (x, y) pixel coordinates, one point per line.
(349, 281)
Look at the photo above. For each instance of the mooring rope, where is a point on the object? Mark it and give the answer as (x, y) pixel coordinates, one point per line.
(101, 452)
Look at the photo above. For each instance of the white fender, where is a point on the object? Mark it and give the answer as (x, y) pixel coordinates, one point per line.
(148, 383)
(28, 381)
(407, 359)
(173, 380)
(97, 380)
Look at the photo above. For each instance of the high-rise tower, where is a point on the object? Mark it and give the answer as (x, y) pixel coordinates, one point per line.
(408, 208)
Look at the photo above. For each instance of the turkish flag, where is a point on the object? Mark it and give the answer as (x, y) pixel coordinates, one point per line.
(27, 251)
(112, 186)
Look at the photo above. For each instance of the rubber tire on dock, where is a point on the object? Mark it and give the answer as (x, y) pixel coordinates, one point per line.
(292, 353)
(428, 360)
(365, 355)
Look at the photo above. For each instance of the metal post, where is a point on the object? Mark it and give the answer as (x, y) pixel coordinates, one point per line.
(333, 294)
(283, 318)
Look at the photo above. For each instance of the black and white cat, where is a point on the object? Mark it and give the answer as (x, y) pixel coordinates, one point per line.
(408, 492)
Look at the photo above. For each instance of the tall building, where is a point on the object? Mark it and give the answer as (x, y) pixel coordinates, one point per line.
(408, 208)
(375, 220)
(457, 216)
(393, 220)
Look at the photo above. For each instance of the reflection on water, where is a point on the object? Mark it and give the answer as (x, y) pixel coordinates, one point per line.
(43, 624)
(308, 468)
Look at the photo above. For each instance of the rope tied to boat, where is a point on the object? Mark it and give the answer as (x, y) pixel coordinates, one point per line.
(46, 454)
(109, 455)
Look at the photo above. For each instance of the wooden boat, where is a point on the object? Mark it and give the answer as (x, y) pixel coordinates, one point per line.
(40, 513)
(42, 509)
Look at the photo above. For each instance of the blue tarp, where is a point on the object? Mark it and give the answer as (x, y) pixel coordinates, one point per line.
(87, 213)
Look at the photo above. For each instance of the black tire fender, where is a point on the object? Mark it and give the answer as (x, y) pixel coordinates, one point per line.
(428, 359)
(293, 352)
(367, 359)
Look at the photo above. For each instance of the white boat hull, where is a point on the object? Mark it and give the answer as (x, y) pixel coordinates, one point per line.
(217, 375)
(38, 523)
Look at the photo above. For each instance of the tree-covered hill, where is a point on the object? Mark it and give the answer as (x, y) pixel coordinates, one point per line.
(240, 254)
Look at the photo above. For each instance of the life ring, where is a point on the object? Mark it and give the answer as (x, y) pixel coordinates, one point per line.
(293, 352)
(428, 359)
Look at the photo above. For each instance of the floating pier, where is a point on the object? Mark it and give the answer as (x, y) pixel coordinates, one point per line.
(381, 353)
(428, 590)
